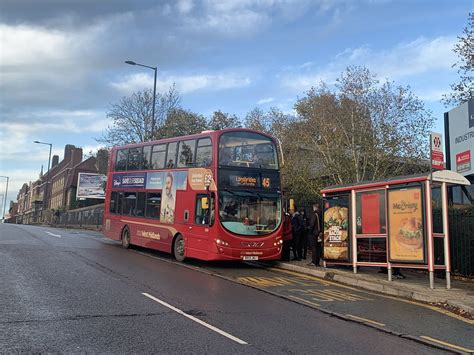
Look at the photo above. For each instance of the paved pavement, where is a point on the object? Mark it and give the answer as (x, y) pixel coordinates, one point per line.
(415, 286)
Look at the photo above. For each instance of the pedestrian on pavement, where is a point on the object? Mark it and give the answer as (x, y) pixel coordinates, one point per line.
(296, 232)
(287, 237)
(316, 235)
(303, 246)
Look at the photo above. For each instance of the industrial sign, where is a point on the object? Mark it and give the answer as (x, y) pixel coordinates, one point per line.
(460, 127)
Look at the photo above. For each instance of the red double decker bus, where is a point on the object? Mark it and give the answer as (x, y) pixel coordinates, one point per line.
(209, 196)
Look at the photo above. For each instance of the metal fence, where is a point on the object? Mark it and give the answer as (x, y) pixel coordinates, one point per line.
(87, 217)
(461, 233)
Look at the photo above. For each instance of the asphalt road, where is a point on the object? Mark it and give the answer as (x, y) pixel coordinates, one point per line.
(74, 291)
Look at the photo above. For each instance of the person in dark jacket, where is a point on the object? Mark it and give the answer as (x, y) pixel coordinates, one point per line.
(287, 237)
(303, 244)
(316, 235)
(296, 232)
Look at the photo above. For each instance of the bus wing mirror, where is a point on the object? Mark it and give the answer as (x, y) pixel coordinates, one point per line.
(204, 203)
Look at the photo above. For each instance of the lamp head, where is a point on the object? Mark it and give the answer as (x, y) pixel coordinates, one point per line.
(130, 62)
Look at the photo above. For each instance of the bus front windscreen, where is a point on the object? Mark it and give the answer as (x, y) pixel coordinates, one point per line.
(248, 150)
(249, 213)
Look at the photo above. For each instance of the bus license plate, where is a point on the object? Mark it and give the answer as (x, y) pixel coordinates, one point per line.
(251, 257)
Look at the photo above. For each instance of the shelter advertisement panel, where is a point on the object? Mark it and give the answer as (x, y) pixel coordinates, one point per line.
(91, 185)
(336, 228)
(405, 225)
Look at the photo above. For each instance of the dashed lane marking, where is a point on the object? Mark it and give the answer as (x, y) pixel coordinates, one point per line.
(53, 235)
(457, 347)
(197, 320)
(365, 320)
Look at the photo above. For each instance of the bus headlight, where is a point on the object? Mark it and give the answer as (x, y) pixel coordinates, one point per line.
(222, 242)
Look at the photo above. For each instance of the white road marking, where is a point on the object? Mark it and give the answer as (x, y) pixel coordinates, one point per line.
(54, 235)
(217, 330)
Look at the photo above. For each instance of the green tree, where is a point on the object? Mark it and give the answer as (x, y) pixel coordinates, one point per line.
(463, 90)
(180, 122)
(220, 120)
(364, 129)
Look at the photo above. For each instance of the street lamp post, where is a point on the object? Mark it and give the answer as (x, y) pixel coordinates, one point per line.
(47, 180)
(5, 197)
(154, 93)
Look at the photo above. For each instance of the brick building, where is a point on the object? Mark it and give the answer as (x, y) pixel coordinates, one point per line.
(56, 189)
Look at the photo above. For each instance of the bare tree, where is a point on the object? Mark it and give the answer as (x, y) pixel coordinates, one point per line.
(132, 117)
(463, 90)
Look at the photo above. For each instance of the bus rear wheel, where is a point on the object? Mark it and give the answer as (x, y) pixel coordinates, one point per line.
(126, 238)
(179, 248)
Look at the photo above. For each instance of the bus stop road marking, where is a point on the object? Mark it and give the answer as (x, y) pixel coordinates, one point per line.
(416, 303)
(436, 309)
(365, 320)
(54, 235)
(329, 295)
(298, 299)
(211, 327)
(457, 347)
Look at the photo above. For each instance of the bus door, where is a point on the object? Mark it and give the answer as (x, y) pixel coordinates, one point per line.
(200, 222)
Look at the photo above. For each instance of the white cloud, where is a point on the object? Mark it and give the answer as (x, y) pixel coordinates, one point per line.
(184, 84)
(404, 62)
(184, 6)
(266, 100)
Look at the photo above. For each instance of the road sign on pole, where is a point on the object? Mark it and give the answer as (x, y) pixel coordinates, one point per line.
(436, 151)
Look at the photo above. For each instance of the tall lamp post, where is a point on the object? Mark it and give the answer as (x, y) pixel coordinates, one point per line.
(5, 197)
(154, 93)
(47, 180)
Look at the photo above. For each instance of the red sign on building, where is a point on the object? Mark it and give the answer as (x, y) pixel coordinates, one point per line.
(463, 161)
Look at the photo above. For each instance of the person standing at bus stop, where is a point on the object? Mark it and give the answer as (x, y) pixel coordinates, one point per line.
(296, 232)
(316, 235)
(287, 237)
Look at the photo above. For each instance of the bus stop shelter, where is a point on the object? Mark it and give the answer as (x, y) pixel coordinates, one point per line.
(390, 223)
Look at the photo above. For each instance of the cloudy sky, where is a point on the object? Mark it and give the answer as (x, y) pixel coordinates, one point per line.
(62, 62)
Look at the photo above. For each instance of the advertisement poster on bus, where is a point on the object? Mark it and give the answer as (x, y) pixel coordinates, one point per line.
(168, 199)
(336, 229)
(91, 186)
(405, 225)
(155, 180)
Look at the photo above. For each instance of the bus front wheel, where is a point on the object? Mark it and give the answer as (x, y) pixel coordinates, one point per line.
(126, 238)
(179, 248)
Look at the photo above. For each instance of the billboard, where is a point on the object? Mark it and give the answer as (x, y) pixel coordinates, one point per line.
(336, 228)
(460, 130)
(91, 186)
(405, 225)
